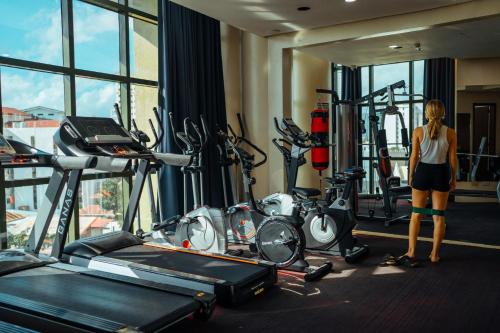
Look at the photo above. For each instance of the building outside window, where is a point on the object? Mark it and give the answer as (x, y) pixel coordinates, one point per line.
(46, 75)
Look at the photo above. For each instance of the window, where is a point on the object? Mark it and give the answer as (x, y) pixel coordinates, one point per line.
(31, 30)
(96, 38)
(45, 75)
(377, 77)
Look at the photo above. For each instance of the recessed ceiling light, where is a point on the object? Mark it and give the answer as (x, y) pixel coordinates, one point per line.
(303, 9)
(395, 47)
(350, 0)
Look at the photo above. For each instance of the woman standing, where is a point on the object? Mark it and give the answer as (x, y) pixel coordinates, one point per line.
(432, 146)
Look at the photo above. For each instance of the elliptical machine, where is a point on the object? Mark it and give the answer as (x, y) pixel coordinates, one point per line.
(202, 228)
(329, 223)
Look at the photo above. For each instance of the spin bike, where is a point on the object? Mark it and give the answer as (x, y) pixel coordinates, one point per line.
(329, 223)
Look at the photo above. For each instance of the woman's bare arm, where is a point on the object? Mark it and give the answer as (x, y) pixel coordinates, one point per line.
(452, 157)
(415, 153)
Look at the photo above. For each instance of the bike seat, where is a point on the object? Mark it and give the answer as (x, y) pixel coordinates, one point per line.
(306, 192)
(400, 190)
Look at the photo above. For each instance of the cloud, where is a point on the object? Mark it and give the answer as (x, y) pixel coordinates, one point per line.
(23, 89)
(90, 22)
(96, 98)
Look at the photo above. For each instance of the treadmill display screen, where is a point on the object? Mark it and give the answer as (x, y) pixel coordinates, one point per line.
(94, 126)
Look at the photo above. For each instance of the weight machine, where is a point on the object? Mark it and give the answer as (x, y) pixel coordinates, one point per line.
(390, 185)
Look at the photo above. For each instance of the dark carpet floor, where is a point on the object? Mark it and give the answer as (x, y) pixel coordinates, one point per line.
(461, 294)
(469, 222)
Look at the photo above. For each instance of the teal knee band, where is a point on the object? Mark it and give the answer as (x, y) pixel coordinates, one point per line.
(438, 212)
(418, 210)
(427, 211)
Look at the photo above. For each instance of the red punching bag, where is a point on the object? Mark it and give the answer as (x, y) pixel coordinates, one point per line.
(320, 156)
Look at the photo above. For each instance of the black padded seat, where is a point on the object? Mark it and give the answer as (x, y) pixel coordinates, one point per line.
(400, 189)
(306, 192)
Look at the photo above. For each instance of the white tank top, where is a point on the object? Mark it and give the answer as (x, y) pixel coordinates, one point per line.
(434, 151)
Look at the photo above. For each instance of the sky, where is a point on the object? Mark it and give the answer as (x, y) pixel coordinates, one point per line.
(31, 30)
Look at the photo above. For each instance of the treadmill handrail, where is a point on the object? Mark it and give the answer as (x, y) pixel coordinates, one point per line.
(73, 162)
(112, 164)
(173, 159)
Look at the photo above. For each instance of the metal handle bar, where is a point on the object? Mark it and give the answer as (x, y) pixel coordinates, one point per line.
(158, 135)
(260, 151)
(174, 133)
(188, 122)
(240, 122)
(118, 115)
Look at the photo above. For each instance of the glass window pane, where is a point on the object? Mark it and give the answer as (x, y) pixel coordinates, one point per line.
(365, 81)
(365, 127)
(143, 49)
(101, 206)
(96, 38)
(31, 30)
(338, 81)
(418, 114)
(143, 100)
(365, 182)
(22, 204)
(32, 108)
(385, 75)
(393, 126)
(418, 78)
(400, 169)
(95, 98)
(147, 6)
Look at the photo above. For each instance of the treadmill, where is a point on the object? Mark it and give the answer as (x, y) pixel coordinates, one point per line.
(233, 280)
(39, 293)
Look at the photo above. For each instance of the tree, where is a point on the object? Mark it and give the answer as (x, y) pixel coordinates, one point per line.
(111, 196)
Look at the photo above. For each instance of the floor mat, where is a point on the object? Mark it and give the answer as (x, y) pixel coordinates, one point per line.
(461, 294)
(468, 222)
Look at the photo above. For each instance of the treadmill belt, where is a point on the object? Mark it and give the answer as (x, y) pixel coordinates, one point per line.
(120, 302)
(6, 327)
(232, 271)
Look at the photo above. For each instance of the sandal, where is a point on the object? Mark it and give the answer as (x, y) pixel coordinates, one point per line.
(407, 261)
(389, 260)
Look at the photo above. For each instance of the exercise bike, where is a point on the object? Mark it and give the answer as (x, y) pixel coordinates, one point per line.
(328, 223)
(277, 238)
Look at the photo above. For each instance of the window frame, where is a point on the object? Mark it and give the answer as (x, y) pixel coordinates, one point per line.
(69, 73)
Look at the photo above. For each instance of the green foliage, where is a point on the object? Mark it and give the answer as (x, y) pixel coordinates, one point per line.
(112, 198)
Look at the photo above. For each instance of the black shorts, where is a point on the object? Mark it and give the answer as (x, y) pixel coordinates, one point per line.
(431, 177)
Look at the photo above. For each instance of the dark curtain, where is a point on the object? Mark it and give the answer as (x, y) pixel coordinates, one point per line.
(351, 91)
(439, 83)
(190, 84)
(351, 83)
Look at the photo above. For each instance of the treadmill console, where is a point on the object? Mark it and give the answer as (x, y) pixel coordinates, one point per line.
(96, 135)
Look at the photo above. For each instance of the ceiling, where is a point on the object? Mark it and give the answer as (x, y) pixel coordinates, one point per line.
(271, 17)
(473, 39)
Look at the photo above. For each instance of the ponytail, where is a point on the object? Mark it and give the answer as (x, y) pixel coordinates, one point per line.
(434, 112)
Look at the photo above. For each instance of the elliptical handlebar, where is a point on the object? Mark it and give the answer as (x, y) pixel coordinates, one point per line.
(118, 115)
(257, 149)
(158, 135)
(302, 140)
(189, 123)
